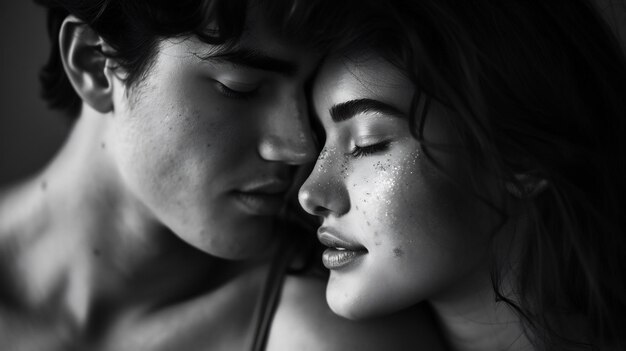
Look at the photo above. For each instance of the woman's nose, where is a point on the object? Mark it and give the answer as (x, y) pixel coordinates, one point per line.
(324, 192)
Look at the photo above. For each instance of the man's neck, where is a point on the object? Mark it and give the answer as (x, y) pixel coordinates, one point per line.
(77, 239)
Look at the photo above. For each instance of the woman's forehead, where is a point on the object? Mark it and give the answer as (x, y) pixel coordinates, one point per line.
(342, 78)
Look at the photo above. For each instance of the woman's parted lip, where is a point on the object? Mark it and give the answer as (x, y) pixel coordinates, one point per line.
(340, 253)
(332, 239)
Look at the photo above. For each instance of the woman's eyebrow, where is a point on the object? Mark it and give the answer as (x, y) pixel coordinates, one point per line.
(348, 109)
(255, 59)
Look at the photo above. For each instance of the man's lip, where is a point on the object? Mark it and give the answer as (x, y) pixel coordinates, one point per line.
(272, 186)
(260, 203)
(330, 238)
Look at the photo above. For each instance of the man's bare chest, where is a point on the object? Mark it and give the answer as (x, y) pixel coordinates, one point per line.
(193, 325)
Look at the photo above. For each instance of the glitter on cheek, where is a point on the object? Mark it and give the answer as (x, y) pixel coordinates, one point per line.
(323, 154)
(321, 159)
(346, 166)
(394, 179)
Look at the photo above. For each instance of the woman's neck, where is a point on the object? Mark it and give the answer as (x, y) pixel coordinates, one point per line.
(475, 321)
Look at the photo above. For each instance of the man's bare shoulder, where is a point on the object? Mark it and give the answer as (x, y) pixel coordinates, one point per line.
(303, 321)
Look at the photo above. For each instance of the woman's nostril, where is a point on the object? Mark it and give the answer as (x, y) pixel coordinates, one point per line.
(321, 211)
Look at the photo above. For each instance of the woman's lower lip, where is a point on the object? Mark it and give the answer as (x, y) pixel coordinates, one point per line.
(260, 204)
(335, 259)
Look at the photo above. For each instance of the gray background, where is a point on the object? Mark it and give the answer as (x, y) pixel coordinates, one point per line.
(30, 134)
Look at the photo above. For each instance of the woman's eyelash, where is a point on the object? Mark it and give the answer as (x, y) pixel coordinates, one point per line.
(235, 94)
(360, 151)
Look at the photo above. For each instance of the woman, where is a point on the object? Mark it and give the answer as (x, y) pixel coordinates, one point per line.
(474, 158)
(156, 226)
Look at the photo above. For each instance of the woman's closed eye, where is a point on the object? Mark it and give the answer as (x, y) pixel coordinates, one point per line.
(371, 149)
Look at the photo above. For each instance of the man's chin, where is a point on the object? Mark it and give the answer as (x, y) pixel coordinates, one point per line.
(245, 244)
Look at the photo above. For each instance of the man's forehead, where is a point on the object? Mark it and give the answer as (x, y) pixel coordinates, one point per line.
(259, 46)
(257, 59)
(261, 35)
(264, 52)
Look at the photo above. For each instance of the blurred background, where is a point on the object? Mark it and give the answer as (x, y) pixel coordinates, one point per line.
(30, 134)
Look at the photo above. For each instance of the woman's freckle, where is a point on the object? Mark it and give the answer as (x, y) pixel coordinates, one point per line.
(397, 252)
(208, 145)
(44, 185)
(103, 145)
(357, 207)
(96, 252)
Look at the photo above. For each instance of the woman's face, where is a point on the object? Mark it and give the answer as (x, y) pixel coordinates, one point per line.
(398, 230)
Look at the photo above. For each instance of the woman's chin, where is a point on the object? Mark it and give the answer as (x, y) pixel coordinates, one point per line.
(348, 300)
(351, 304)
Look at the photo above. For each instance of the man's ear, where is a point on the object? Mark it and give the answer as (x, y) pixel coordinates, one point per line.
(86, 65)
(526, 186)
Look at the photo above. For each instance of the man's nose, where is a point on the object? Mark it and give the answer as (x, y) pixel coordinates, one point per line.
(289, 137)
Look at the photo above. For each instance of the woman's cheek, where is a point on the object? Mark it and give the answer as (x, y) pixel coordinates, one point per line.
(383, 195)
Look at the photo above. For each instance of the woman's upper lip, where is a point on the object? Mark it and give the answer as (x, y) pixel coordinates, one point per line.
(331, 238)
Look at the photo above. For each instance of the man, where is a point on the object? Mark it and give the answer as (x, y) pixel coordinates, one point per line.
(154, 228)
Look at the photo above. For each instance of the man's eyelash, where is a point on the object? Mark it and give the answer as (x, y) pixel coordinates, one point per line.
(235, 94)
(360, 151)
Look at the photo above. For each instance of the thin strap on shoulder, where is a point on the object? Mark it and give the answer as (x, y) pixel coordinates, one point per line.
(271, 294)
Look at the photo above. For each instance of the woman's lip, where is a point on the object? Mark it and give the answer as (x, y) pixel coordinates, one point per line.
(332, 240)
(334, 259)
(340, 252)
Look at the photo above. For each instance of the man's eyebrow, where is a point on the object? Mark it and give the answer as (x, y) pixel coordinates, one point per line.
(255, 59)
(349, 109)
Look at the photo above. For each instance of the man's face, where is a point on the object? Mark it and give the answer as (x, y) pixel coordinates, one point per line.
(208, 146)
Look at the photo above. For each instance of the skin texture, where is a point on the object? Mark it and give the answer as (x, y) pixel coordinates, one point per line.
(420, 237)
(426, 237)
(205, 146)
(135, 236)
(126, 231)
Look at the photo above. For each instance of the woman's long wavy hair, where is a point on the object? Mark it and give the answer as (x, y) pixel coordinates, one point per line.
(537, 88)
